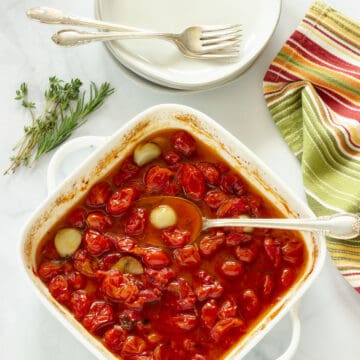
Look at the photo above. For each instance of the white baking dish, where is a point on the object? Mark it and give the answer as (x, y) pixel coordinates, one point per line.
(112, 150)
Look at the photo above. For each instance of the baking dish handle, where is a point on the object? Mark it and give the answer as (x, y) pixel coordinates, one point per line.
(295, 337)
(67, 149)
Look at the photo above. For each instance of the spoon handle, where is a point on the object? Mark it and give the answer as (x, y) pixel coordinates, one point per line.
(339, 226)
(54, 16)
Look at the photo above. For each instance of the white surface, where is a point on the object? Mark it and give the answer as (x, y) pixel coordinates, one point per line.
(330, 310)
(159, 60)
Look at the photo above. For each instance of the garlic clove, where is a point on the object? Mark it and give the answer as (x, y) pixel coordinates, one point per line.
(67, 241)
(129, 265)
(144, 153)
(163, 216)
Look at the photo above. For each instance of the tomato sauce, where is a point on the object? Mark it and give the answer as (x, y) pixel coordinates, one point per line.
(149, 293)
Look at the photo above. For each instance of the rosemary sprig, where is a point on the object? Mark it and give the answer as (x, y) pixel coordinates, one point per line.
(66, 108)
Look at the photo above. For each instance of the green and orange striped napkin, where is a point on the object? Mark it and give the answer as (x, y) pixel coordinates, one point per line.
(312, 89)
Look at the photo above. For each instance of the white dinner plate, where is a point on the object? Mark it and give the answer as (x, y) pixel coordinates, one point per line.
(162, 63)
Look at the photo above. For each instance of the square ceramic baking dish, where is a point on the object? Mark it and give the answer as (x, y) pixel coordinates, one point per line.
(111, 151)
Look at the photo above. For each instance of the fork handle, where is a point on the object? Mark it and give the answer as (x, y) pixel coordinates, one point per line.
(69, 37)
(338, 226)
(48, 15)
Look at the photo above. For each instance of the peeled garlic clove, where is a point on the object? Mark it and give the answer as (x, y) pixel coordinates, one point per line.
(246, 229)
(67, 241)
(163, 216)
(144, 153)
(129, 265)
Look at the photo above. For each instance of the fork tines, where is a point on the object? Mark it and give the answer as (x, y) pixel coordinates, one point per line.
(224, 38)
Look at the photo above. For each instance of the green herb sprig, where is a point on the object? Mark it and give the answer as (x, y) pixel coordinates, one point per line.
(66, 108)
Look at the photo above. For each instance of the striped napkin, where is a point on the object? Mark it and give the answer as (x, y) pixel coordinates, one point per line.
(312, 89)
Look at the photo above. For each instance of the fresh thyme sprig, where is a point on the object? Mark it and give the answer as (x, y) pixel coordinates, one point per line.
(66, 108)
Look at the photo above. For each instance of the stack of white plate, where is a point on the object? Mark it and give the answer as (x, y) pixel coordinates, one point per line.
(160, 62)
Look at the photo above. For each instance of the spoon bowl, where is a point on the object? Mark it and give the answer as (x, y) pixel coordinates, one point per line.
(189, 216)
(338, 226)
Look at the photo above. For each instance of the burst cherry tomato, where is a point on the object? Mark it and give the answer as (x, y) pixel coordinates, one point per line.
(188, 256)
(222, 167)
(49, 252)
(292, 251)
(163, 352)
(127, 171)
(211, 242)
(210, 172)
(287, 277)
(232, 184)
(199, 357)
(128, 318)
(255, 203)
(120, 287)
(80, 303)
(160, 278)
(121, 200)
(48, 270)
(59, 289)
(114, 338)
(99, 221)
(122, 242)
(133, 345)
(182, 322)
(228, 309)
(155, 258)
(98, 194)
(184, 143)
(171, 157)
(246, 254)
(172, 189)
(109, 260)
(182, 295)
(175, 237)
(268, 286)
(77, 218)
(84, 263)
(96, 243)
(209, 313)
(136, 222)
(208, 288)
(76, 280)
(222, 327)
(273, 250)
(157, 179)
(250, 303)
(235, 238)
(150, 295)
(233, 207)
(100, 315)
(215, 198)
(193, 182)
(232, 268)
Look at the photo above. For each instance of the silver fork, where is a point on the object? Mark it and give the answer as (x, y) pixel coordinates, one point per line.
(195, 40)
(208, 42)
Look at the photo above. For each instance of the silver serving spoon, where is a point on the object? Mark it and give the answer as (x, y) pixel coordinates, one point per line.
(337, 226)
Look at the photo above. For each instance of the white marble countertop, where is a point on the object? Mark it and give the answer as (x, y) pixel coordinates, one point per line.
(330, 310)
